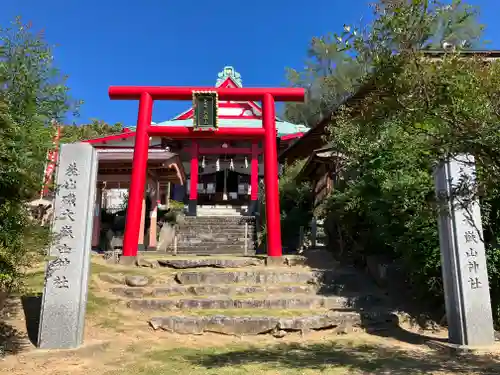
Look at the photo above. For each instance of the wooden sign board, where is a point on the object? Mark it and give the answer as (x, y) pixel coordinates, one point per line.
(205, 105)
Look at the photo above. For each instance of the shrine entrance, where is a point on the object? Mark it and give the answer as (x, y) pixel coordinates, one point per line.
(224, 187)
(227, 175)
(205, 127)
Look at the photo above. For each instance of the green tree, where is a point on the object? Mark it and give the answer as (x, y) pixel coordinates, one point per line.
(96, 129)
(32, 93)
(336, 62)
(329, 75)
(419, 112)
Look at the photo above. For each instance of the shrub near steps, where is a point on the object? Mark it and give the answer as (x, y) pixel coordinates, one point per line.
(323, 299)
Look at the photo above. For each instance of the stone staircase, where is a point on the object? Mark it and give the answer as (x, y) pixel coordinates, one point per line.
(216, 235)
(243, 296)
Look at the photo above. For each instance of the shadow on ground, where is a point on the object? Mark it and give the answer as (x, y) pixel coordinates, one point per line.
(403, 335)
(367, 359)
(32, 305)
(348, 279)
(12, 340)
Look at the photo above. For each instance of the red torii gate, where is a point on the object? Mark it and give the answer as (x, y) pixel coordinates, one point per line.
(147, 94)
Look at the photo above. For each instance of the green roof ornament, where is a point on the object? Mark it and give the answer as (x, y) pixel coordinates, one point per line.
(229, 72)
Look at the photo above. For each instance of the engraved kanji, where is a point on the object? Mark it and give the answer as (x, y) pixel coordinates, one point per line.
(470, 236)
(69, 184)
(66, 231)
(69, 199)
(60, 262)
(472, 252)
(64, 249)
(473, 266)
(72, 170)
(61, 282)
(67, 214)
(475, 283)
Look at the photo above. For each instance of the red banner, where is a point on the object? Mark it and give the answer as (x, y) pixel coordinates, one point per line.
(52, 156)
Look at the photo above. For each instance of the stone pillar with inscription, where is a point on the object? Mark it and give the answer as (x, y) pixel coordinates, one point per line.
(463, 258)
(62, 315)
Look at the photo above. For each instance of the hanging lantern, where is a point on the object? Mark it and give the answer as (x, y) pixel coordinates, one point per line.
(231, 165)
(203, 163)
(217, 165)
(246, 162)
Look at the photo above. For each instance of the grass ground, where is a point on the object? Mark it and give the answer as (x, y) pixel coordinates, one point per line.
(118, 341)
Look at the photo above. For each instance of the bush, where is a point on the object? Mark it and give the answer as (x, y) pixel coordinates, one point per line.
(295, 206)
(419, 112)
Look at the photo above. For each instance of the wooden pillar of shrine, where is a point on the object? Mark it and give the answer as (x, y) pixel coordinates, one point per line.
(96, 227)
(193, 187)
(140, 242)
(167, 195)
(153, 214)
(254, 179)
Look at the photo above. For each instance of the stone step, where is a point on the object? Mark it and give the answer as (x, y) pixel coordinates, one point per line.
(253, 302)
(243, 218)
(217, 227)
(215, 247)
(327, 281)
(252, 277)
(215, 251)
(214, 237)
(220, 262)
(230, 220)
(212, 245)
(211, 290)
(339, 321)
(208, 213)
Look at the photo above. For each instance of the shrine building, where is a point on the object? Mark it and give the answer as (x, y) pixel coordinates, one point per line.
(205, 175)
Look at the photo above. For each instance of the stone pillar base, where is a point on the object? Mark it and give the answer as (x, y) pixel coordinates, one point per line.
(252, 207)
(275, 261)
(192, 207)
(127, 260)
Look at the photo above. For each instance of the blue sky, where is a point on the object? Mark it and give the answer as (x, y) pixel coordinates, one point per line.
(183, 43)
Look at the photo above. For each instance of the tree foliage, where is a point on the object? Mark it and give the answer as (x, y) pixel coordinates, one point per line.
(32, 93)
(337, 61)
(96, 129)
(420, 111)
(328, 77)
